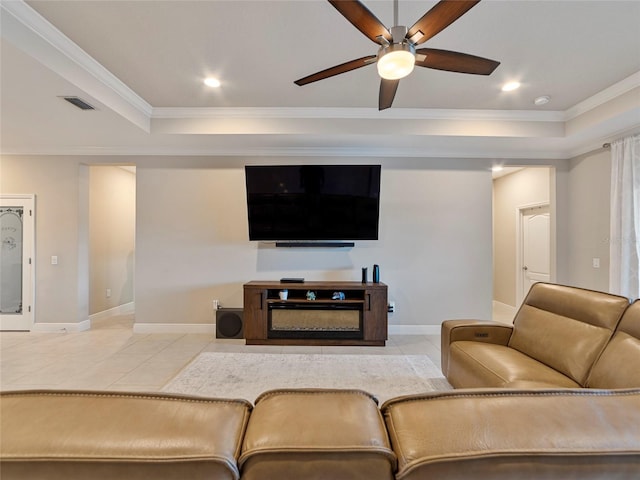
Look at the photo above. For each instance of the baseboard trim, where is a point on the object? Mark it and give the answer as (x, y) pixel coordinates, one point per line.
(174, 328)
(211, 328)
(414, 329)
(61, 327)
(125, 309)
(208, 328)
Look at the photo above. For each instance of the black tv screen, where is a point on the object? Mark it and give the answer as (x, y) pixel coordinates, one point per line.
(313, 202)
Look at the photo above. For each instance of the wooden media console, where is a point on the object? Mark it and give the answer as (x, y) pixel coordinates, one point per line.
(358, 319)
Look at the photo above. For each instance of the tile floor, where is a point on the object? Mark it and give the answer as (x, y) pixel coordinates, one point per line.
(111, 357)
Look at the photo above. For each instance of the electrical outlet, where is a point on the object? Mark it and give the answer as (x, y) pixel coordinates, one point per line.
(216, 304)
(108, 293)
(391, 308)
(596, 262)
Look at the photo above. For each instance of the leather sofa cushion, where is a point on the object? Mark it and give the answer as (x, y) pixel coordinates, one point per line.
(509, 435)
(619, 364)
(475, 364)
(316, 435)
(566, 328)
(99, 435)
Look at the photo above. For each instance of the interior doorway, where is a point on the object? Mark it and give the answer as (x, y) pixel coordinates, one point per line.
(17, 260)
(523, 193)
(112, 208)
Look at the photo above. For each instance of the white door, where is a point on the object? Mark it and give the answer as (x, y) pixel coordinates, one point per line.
(535, 244)
(16, 262)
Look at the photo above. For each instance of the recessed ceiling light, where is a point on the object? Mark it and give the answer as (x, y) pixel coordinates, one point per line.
(212, 82)
(542, 100)
(510, 86)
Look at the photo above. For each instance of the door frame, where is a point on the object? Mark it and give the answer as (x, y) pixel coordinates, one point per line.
(28, 258)
(520, 214)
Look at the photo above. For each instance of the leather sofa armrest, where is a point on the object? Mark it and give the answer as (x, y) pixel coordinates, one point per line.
(471, 330)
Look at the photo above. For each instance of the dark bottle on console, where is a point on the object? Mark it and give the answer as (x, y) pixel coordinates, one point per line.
(376, 274)
(364, 274)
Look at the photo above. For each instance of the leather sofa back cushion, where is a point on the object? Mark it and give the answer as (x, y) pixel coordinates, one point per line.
(507, 434)
(316, 434)
(103, 435)
(566, 328)
(619, 365)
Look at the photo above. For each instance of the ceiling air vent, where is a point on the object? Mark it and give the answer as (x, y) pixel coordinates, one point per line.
(78, 102)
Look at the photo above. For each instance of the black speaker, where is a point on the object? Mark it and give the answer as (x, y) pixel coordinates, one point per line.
(229, 323)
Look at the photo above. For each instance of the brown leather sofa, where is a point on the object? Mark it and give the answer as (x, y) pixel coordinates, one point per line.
(562, 337)
(536, 428)
(493, 434)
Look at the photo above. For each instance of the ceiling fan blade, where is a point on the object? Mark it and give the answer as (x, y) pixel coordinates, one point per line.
(443, 14)
(387, 93)
(361, 18)
(337, 70)
(455, 61)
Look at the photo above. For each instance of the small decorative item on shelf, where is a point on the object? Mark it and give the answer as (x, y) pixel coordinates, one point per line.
(364, 274)
(338, 296)
(311, 295)
(284, 294)
(376, 274)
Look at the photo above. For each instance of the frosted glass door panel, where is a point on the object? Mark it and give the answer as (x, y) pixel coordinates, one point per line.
(11, 228)
(16, 262)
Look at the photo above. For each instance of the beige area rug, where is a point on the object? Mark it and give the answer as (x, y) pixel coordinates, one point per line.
(247, 375)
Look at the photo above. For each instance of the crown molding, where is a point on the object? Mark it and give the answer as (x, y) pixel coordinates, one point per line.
(250, 151)
(355, 113)
(604, 96)
(39, 38)
(600, 98)
(598, 143)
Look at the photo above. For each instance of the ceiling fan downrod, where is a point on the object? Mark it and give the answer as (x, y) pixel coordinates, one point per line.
(395, 13)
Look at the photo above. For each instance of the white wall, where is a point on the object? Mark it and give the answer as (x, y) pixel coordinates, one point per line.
(434, 251)
(60, 294)
(589, 191)
(192, 242)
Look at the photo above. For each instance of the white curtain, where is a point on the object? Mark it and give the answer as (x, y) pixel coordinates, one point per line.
(624, 276)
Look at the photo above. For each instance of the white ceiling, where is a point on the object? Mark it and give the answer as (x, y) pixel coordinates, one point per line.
(141, 63)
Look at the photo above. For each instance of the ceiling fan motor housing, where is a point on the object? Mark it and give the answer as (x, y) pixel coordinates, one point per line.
(398, 33)
(396, 60)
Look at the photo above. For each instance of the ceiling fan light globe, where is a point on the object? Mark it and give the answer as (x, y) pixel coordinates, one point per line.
(396, 61)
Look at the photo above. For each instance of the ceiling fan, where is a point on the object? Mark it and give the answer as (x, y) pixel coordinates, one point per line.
(397, 54)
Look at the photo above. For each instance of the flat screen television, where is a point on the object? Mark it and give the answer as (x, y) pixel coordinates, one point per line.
(313, 202)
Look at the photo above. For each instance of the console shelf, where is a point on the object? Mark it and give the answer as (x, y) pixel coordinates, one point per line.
(359, 319)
